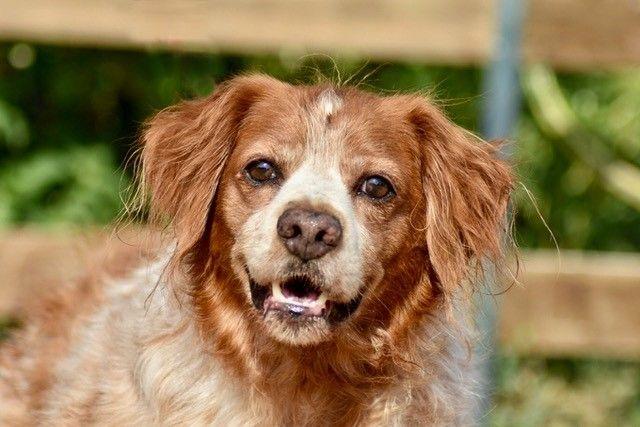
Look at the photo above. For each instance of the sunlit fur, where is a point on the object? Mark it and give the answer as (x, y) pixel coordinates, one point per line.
(178, 342)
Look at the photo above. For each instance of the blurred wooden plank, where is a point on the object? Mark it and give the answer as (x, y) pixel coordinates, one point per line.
(570, 34)
(583, 34)
(588, 305)
(32, 261)
(456, 31)
(581, 304)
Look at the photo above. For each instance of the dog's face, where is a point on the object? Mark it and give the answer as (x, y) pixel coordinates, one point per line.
(318, 192)
(329, 204)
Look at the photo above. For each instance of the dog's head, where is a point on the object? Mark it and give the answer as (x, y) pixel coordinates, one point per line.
(323, 206)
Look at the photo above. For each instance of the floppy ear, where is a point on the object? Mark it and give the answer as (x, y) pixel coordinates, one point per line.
(467, 191)
(185, 149)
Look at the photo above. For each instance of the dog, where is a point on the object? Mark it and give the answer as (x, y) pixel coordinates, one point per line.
(325, 244)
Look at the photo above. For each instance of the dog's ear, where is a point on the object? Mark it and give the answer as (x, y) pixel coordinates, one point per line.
(467, 191)
(185, 149)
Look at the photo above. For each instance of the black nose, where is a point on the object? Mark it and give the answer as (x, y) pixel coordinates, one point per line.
(309, 234)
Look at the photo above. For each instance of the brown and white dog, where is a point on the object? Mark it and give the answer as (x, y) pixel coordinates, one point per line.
(325, 244)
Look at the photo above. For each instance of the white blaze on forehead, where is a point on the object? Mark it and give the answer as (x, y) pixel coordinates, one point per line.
(324, 138)
(329, 102)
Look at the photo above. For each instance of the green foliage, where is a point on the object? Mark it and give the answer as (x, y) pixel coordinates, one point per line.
(14, 131)
(78, 185)
(578, 151)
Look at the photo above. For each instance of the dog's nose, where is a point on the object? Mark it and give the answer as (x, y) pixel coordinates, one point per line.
(309, 234)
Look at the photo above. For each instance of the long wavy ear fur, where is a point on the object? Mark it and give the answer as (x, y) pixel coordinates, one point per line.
(185, 149)
(467, 191)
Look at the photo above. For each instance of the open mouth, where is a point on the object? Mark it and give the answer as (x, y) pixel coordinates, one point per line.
(299, 297)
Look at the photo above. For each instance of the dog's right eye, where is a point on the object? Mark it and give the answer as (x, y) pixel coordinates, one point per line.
(261, 172)
(377, 188)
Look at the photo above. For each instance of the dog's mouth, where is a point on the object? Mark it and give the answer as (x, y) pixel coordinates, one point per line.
(300, 298)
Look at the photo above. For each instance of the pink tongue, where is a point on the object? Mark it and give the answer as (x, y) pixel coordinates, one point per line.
(315, 310)
(299, 294)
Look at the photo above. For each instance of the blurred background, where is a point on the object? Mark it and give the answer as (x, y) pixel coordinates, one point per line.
(78, 78)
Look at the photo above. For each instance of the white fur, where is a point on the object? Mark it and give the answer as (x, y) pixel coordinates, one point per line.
(329, 102)
(152, 366)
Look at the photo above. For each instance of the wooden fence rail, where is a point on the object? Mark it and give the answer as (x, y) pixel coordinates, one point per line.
(581, 304)
(574, 304)
(573, 34)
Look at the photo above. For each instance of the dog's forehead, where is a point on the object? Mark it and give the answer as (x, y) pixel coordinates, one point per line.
(353, 123)
(331, 127)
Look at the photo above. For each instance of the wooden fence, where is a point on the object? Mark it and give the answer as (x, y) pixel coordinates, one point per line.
(574, 34)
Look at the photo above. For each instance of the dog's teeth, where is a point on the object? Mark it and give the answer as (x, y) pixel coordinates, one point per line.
(322, 299)
(276, 291)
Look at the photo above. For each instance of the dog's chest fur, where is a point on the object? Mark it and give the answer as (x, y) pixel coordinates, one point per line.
(135, 357)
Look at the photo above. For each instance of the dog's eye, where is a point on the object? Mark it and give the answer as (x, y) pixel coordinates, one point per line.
(261, 171)
(377, 187)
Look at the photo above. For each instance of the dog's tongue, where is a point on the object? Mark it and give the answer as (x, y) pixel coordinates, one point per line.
(294, 309)
(311, 304)
(307, 295)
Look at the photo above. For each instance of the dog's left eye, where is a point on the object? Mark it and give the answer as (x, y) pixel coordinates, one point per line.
(377, 188)
(261, 171)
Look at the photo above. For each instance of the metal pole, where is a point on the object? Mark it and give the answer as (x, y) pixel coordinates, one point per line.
(501, 81)
(500, 113)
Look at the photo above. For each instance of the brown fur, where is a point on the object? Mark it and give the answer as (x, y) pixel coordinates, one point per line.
(400, 359)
